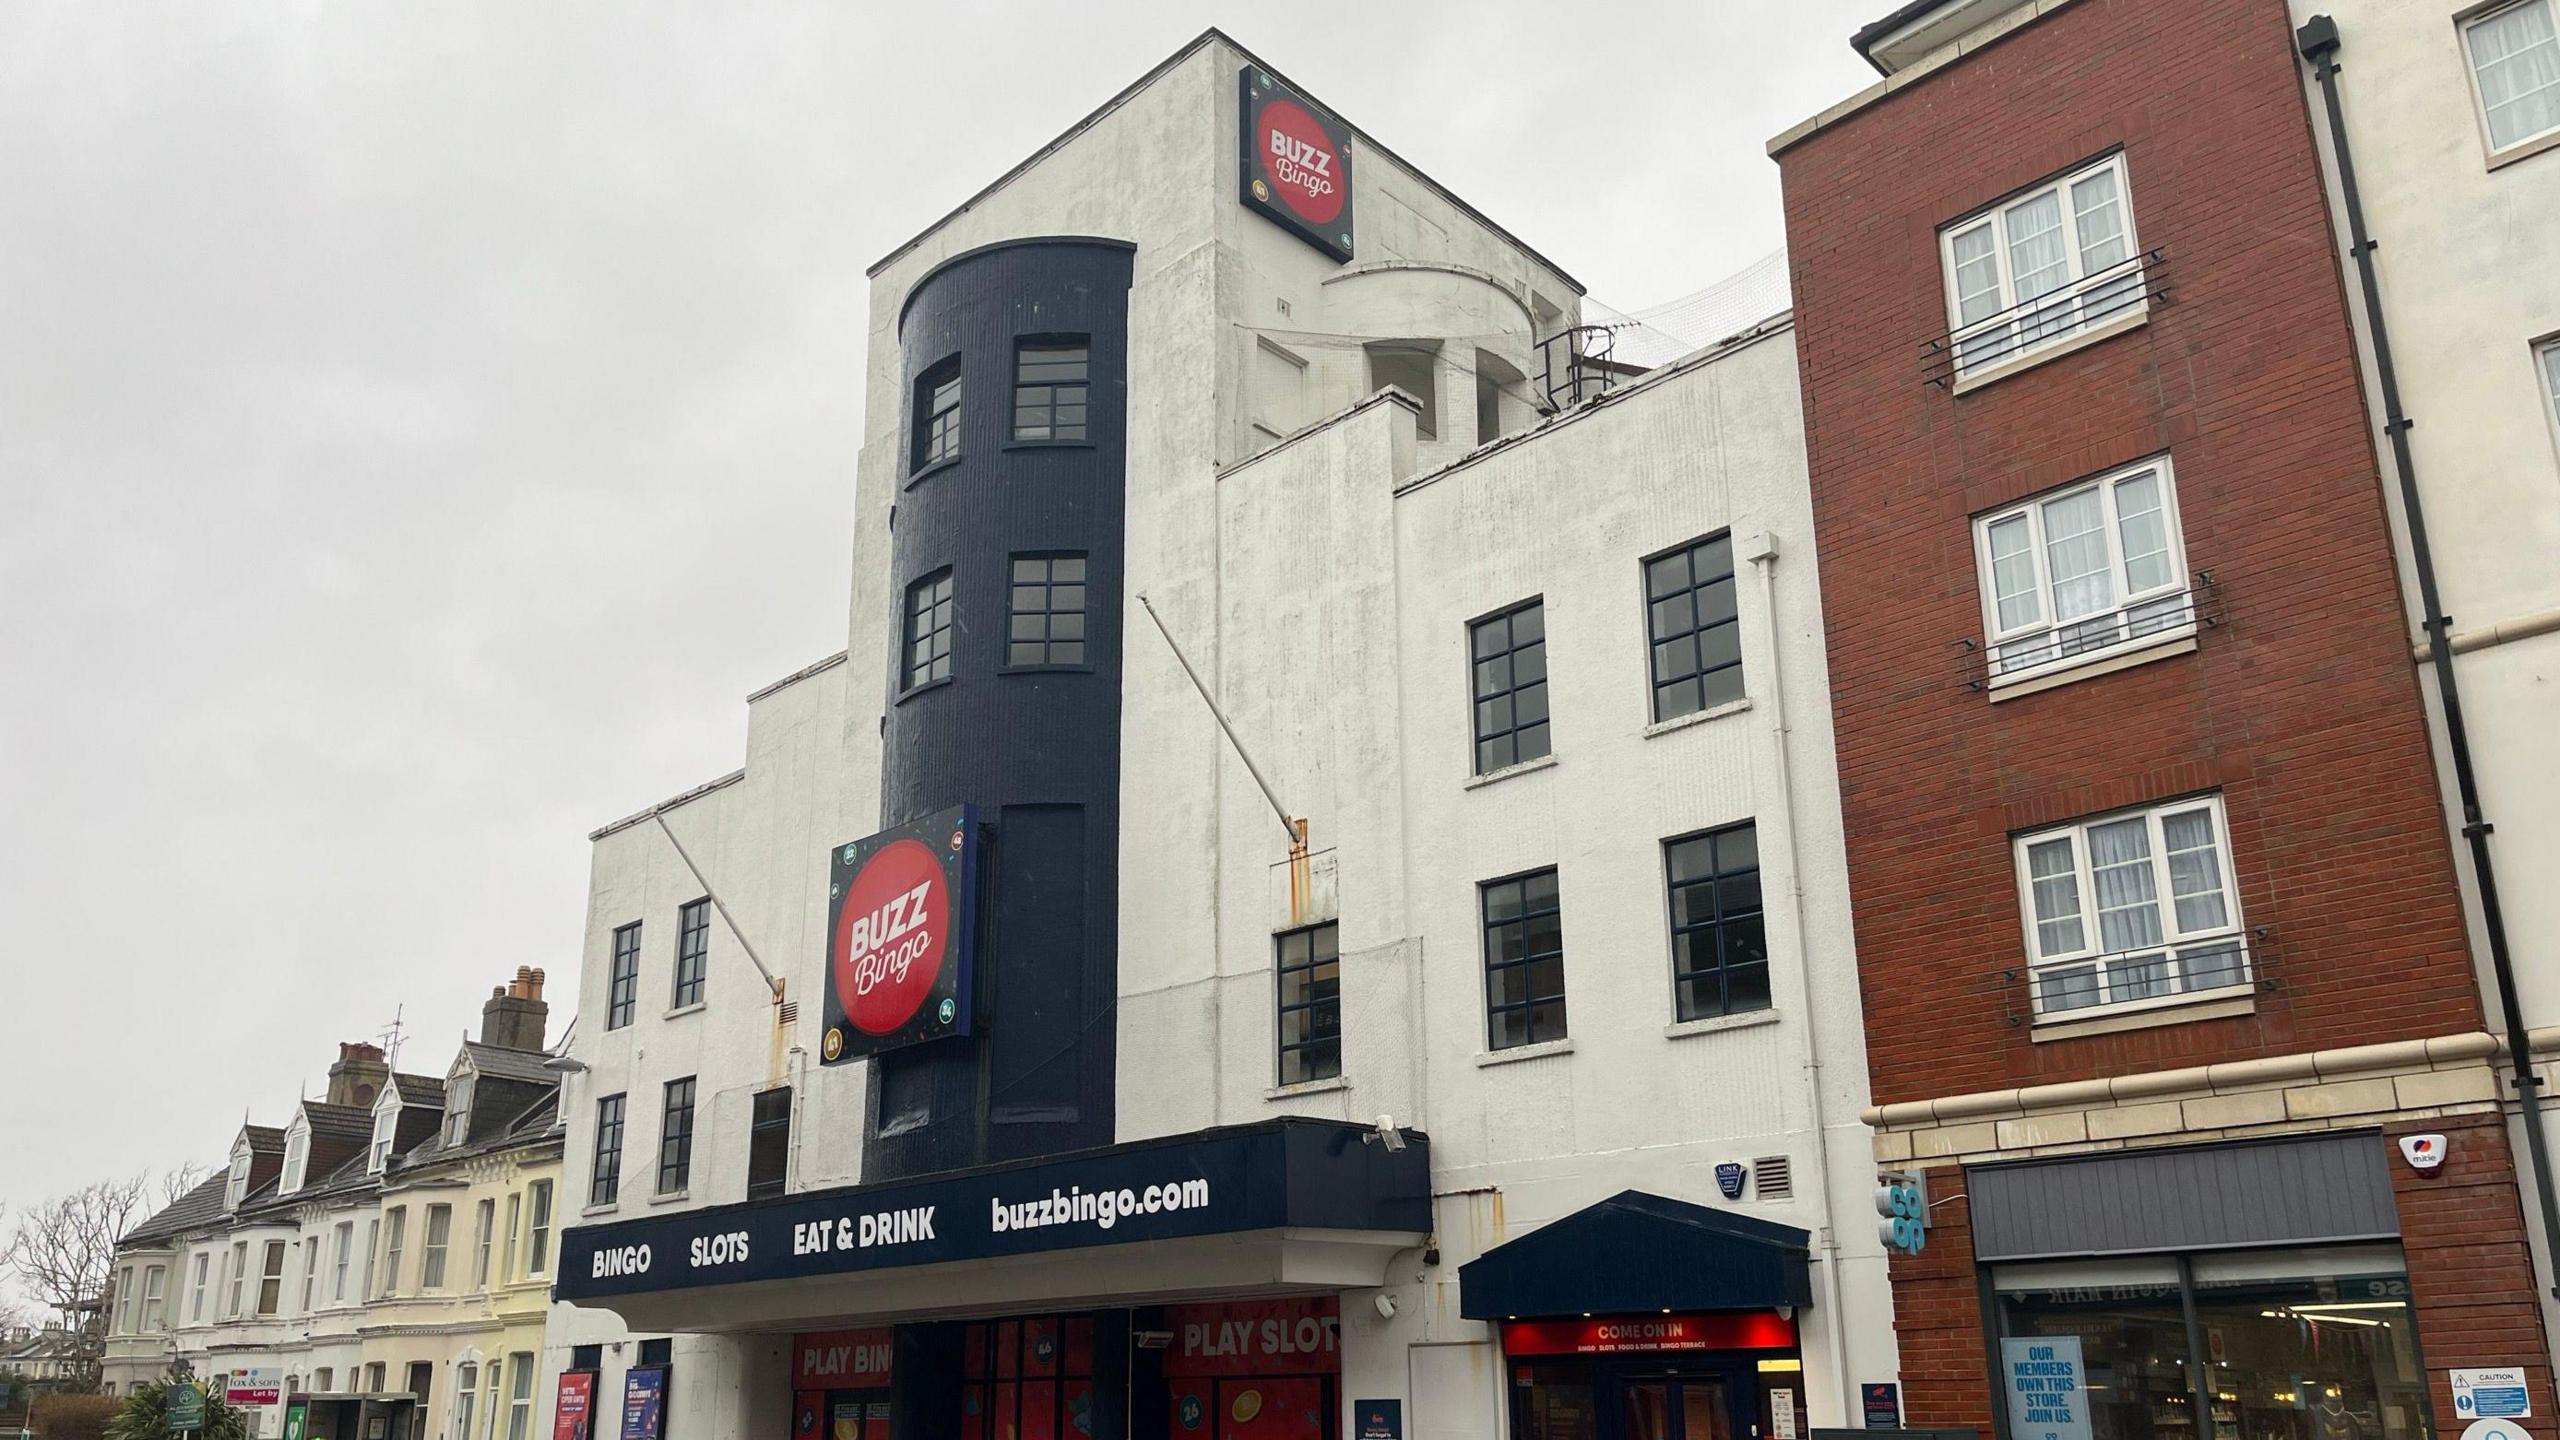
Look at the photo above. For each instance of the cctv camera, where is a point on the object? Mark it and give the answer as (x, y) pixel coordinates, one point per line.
(1386, 1134)
(1386, 1304)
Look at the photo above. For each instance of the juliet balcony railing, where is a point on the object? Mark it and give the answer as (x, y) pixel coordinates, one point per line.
(2144, 978)
(2102, 297)
(2192, 610)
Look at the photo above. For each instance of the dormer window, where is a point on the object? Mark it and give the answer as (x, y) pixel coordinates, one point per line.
(386, 1121)
(457, 1109)
(237, 1189)
(297, 1157)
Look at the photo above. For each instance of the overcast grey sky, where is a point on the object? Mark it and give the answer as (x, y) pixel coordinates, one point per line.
(422, 424)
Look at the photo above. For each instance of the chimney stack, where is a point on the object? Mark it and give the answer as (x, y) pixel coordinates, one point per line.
(357, 1076)
(515, 1016)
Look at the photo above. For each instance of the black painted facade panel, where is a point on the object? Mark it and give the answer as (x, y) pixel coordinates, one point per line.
(2290, 1190)
(1036, 750)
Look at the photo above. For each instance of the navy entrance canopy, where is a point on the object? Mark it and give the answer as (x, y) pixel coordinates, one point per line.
(1633, 1253)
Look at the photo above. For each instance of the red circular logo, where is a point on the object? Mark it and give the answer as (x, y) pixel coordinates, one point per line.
(1302, 163)
(891, 933)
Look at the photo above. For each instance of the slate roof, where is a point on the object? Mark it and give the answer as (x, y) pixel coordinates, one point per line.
(419, 1090)
(338, 1120)
(197, 1207)
(506, 1064)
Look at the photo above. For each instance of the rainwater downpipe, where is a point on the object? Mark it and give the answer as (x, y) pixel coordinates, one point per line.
(1762, 552)
(2318, 41)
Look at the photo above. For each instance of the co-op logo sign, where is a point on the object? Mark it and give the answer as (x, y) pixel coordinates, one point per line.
(1296, 163)
(898, 939)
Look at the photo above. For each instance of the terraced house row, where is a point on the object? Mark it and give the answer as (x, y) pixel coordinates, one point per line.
(1389, 854)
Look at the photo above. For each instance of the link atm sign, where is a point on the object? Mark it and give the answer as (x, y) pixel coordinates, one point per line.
(1295, 162)
(902, 911)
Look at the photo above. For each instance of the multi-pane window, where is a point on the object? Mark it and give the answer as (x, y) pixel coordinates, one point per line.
(1049, 390)
(2083, 571)
(520, 1396)
(392, 1238)
(484, 1238)
(297, 1160)
(1047, 625)
(310, 1272)
(2131, 907)
(386, 1123)
(2515, 62)
(154, 1320)
(929, 629)
(372, 1238)
(606, 1186)
(1509, 653)
(938, 415)
(675, 1137)
(195, 1287)
(346, 1243)
(1697, 638)
(431, 1253)
(769, 1143)
(124, 1301)
(235, 1277)
(622, 992)
(538, 1197)
(1310, 970)
(457, 1109)
(466, 1395)
(1719, 945)
(271, 1278)
(1523, 960)
(515, 1230)
(1031, 1377)
(693, 951)
(2042, 266)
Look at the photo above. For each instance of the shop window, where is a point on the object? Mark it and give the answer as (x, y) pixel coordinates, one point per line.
(1271, 1372)
(1027, 1379)
(937, 415)
(929, 629)
(1046, 619)
(769, 1143)
(1552, 1400)
(622, 992)
(1695, 629)
(1719, 941)
(2275, 1345)
(1523, 960)
(1510, 686)
(1049, 388)
(1310, 1011)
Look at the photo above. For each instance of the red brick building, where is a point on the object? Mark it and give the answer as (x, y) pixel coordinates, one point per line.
(2160, 941)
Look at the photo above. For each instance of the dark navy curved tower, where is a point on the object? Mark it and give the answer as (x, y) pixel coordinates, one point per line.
(1035, 746)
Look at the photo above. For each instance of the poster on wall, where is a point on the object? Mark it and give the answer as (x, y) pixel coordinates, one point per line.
(1296, 162)
(572, 1414)
(644, 1403)
(2048, 1389)
(902, 912)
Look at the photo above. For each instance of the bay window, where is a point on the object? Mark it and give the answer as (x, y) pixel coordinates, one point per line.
(2091, 570)
(2131, 910)
(2041, 267)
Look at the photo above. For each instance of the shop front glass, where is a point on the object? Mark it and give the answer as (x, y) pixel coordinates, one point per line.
(2316, 1344)
(1028, 1379)
(1255, 1370)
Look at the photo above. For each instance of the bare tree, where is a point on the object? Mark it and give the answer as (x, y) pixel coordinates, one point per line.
(62, 1252)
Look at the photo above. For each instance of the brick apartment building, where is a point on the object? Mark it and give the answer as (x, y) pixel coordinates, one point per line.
(2161, 949)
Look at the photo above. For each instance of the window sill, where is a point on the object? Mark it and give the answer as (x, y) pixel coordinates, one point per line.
(671, 1197)
(2525, 150)
(1326, 1086)
(2081, 340)
(1491, 777)
(2181, 641)
(696, 1008)
(2219, 1004)
(913, 691)
(1044, 669)
(1719, 1024)
(1517, 1053)
(1048, 445)
(1697, 717)
(918, 477)
(607, 1208)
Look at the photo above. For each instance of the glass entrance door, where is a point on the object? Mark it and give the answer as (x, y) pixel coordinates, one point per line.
(1685, 1407)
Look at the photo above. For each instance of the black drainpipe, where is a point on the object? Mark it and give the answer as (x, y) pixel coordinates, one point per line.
(2318, 42)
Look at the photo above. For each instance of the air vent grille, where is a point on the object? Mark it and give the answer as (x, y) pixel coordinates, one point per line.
(1773, 1177)
(787, 1015)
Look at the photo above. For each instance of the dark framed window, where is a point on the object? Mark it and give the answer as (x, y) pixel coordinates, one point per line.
(1049, 388)
(1310, 970)
(606, 1185)
(1510, 659)
(1523, 960)
(1697, 642)
(1719, 945)
(937, 418)
(1047, 624)
(1031, 1376)
(929, 629)
(622, 991)
(769, 1143)
(675, 1137)
(693, 951)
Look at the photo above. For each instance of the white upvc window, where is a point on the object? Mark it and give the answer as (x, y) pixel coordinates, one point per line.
(466, 1394)
(2041, 267)
(310, 1271)
(2515, 72)
(386, 1124)
(395, 1235)
(124, 1301)
(457, 1109)
(2131, 910)
(195, 1287)
(483, 1226)
(2546, 360)
(236, 1188)
(432, 1247)
(346, 1242)
(235, 1273)
(2083, 572)
(297, 1157)
(154, 1318)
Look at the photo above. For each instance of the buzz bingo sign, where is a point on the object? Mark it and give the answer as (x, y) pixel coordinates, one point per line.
(1295, 162)
(902, 913)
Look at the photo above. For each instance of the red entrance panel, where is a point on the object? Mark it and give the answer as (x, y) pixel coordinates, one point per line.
(1636, 1334)
(1255, 1369)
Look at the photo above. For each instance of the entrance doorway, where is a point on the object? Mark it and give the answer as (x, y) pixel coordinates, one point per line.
(1646, 1397)
(1678, 1407)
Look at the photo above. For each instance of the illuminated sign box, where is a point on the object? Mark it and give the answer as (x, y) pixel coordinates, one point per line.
(901, 935)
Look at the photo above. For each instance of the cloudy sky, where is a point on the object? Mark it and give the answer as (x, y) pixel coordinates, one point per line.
(422, 424)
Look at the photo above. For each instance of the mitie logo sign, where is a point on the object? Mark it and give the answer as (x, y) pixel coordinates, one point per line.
(898, 937)
(1296, 163)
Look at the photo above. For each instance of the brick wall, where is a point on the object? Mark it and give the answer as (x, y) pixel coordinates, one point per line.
(2462, 1229)
(1937, 1323)
(2301, 707)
